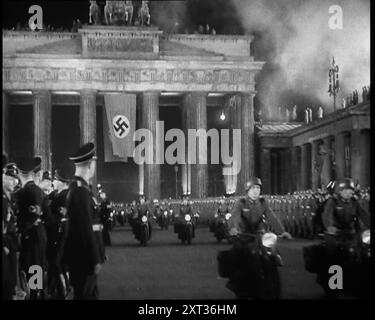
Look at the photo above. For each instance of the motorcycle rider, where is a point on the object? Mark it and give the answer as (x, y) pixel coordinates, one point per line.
(251, 213)
(142, 209)
(343, 212)
(222, 210)
(163, 207)
(185, 208)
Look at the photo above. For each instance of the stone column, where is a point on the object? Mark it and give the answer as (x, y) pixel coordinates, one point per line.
(339, 155)
(366, 158)
(265, 166)
(303, 173)
(150, 114)
(42, 127)
(5, 115)
(327, 164)
(185, 168)
(87, 116)
(294, 173)
(87, 122)
(315, 163)
(287, 174)
(246, 113)
(357, 157)
(195, 106)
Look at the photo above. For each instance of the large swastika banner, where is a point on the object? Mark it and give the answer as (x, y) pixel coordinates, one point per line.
(119, 123)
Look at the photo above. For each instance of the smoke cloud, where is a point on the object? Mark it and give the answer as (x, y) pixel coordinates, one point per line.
(294, 38)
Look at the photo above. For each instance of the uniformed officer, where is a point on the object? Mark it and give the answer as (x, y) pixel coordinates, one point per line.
(251, 214)
(82, 253)
(221, 211)
(57, 233)
(32, 211)
(343, 213)
(46, 183)
(105, 217)
(185, 208)
(142, 210)
(10, 236)
(133, 214)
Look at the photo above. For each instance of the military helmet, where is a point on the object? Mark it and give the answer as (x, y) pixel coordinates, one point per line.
(346, 183)
(253, 182)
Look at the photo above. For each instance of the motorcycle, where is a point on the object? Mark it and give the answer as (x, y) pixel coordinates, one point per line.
(121, 219)
(221, 229)
(349, 250)
(251, 266)
(186, 230)
(111, 222)
(144, 231)
(164, 219)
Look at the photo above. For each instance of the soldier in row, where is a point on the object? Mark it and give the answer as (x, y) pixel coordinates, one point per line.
(59, 231)
(84, 249)
(10, 236)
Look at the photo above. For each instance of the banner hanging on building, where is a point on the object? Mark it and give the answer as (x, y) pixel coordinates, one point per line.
(119, 121)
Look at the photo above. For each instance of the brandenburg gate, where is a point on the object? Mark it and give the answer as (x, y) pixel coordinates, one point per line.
(141, 60)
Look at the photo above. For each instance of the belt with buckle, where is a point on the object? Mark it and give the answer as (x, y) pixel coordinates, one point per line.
(97, 227)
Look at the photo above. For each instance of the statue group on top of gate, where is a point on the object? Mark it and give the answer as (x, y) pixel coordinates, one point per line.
(119, 13)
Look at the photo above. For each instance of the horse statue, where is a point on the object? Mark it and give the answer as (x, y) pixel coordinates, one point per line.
(118, 12)
(108, 12)
(129, 12)
(144, 13)
(94, 13)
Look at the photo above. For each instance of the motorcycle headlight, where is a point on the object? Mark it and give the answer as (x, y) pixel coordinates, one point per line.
(227, 216)
(366, 236)
(216, 215)
(171, 211)
(269, 240)
(165, 213)
(111, 214)
(187, 217)
(144, 219)
(122, 212)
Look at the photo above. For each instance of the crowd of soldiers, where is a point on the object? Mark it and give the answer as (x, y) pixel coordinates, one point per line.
(300, 212)
(55, 226)
(57, 223)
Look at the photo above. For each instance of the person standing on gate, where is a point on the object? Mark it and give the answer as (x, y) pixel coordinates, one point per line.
(81, 253)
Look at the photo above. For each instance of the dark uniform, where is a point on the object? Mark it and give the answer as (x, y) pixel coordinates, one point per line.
(57, 234)
(345, 215)
(82, 253)
(105, 215)
(33, 213)
(184, 209)
(10, 248)
(250, 216)
(141, 210)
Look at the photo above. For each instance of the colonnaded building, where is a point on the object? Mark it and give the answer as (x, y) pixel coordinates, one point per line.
(53, 98)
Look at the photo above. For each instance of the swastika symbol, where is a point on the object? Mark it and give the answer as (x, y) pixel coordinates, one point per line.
(121, 126)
